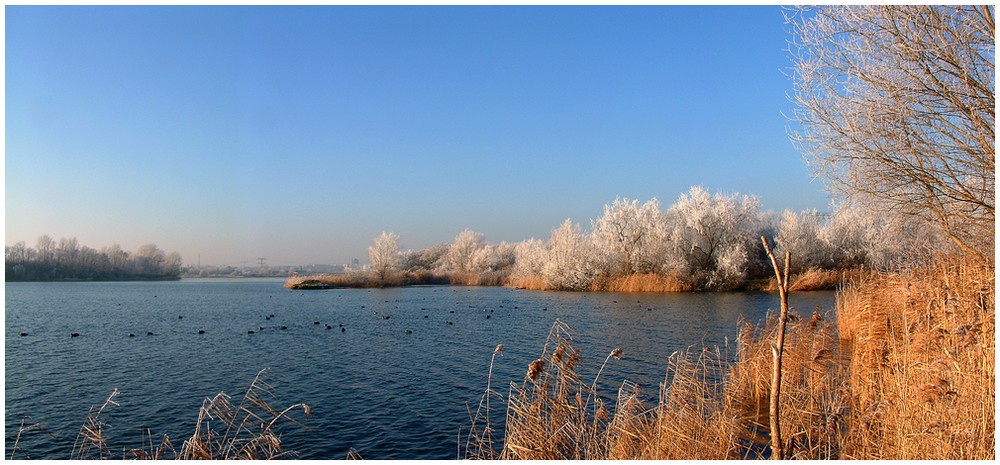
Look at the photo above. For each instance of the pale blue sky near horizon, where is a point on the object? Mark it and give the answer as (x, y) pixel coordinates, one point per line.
(299, 133)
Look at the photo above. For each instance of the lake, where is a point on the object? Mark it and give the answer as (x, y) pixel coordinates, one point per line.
(375, 387)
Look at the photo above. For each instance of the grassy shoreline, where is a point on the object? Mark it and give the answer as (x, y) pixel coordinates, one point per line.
(810, 280)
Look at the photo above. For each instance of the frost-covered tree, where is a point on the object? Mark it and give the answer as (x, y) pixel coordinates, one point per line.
(117, 258)
(896, 107)
(384, 254)
(530, 257)
(799, 233)
(493, 258)
(67, 259)
(46, 249)
(571, 263)
(712, 236)
(149, 260)
(429, 259)
(859, 236)
(631, 237)
(462, 249)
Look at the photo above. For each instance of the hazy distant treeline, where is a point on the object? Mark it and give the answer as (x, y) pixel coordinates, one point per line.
(67, 260)
(703, 241)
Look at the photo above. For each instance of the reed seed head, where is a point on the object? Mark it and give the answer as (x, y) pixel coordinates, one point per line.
(557, 355)
(498, 349)
(535, 369)
(617, 353)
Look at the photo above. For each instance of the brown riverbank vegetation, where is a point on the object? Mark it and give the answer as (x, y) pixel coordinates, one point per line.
(904, 370)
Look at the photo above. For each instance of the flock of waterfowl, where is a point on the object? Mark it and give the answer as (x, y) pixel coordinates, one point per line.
(327, 326)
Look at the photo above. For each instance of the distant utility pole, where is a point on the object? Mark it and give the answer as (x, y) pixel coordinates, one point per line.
(260, 260)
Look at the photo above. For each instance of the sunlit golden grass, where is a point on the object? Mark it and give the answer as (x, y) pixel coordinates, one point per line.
(645, 283)
(225, 430)
(906, 373)
(648, 282)
(922, 371)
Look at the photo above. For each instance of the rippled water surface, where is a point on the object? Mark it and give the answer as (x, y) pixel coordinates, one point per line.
(387, 393)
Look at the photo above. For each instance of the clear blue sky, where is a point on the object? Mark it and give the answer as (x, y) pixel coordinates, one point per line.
(299, 133)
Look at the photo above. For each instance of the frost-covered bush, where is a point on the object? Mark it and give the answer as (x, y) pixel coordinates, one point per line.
(428, 259)
(712, 236)
(493, 257)
(630, 238)
(530, 257)
(462, 250)
(571, 259)
(800, 234)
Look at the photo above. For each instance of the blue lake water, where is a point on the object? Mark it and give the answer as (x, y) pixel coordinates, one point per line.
(374, 387)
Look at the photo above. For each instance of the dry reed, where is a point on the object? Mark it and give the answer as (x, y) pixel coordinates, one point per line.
(248, 430)
(907, 372)
(646, 283)
(922, 372)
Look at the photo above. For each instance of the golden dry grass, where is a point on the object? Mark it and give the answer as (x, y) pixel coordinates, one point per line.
(649, 282)
(907, 372)
(922, 371)
(646, 283)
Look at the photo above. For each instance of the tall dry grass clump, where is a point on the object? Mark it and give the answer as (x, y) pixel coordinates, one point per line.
(707, 408)
(225, 430)
(811, 406)
(907, 372)
(922, 371)
(649, 282)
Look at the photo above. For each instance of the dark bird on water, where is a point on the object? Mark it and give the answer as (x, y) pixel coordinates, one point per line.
(409, 332)
(201, 331)
(315, 322)
(131, 334)
(329, 327)
(180, 317)
(342, 329)
(149, 333)
(74, 334)
(24, 334)
(284, 327)
(250, 332)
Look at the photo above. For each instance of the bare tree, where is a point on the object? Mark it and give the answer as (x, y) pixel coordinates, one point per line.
(384, 254)
(896, 108)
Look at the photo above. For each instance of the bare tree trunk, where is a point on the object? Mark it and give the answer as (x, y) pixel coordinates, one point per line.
(777, 446)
